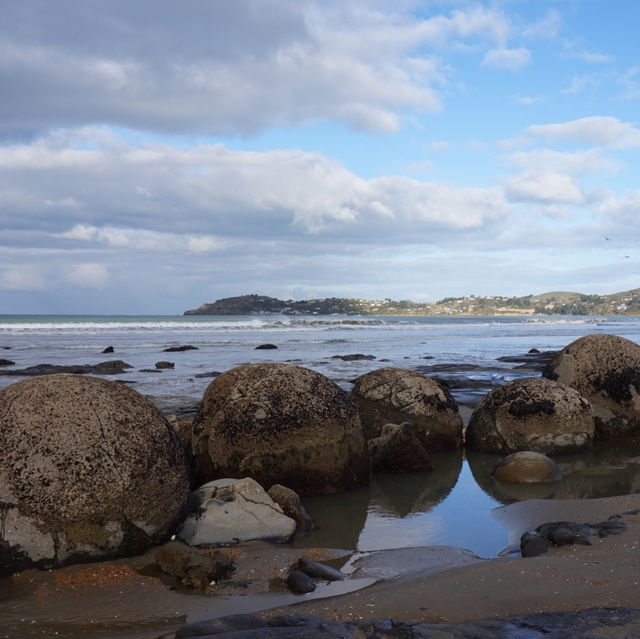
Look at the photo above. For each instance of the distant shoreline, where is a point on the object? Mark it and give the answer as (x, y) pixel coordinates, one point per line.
(555, 303)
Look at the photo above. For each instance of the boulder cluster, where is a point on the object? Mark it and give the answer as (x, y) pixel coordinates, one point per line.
(90, 469)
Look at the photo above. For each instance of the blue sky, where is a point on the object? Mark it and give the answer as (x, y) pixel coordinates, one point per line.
(155, 155)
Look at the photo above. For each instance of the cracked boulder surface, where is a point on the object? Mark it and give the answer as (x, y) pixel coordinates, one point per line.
(89, 470)
(605, 369)
(532, 414)
(279, 424)
(398, 395)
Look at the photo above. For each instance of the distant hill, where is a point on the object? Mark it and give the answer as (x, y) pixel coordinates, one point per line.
(555, 303)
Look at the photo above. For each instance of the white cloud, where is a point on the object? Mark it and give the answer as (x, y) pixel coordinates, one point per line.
(89, 275)
(546, 27)
(581, 82)
(156, 197)
(551, 188)
(143, 240)
(550, 161)
(575, 50)
(528, 100)
(602, 131)
(241, 67)
(507, 59)
(23, 278)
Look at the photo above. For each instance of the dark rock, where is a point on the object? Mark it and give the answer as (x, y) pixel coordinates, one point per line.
(6, 362)
(109, 349)
(265, 347)
(581, 624)
(353, 357)
(319, 571)
(563, 533)
(397, 395)
(150, 370)
(179, 349)
(611, 526)
(532, 544)
(533, 350)
(533, 414)
(89, 469)
(235, 623)
(191, 567)
(291, 506)
(111, 367)
(398, 450)
(300, 583)
(165, 365)
(280, 423)
(605, 369)
(209, 374)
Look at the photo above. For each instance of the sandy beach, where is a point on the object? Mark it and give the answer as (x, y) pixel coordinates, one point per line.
(438, 584)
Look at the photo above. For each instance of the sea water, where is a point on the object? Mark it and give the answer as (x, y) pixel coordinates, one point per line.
(452, 504)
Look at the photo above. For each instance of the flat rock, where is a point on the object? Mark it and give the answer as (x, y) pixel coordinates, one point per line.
(111, 367)
(230, 511)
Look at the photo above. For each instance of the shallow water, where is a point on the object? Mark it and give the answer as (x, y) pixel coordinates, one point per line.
(452, 505)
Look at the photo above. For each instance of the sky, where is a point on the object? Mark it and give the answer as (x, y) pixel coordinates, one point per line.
(159, 154)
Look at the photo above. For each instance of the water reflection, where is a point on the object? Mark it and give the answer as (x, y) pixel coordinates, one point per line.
(605, 471)
(452, 504)
(401, 495)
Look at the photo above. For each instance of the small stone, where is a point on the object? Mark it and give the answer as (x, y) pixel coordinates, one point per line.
(300, 583)
(532, 544)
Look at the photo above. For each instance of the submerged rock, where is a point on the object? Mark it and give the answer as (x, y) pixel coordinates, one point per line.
(179, 349)
(534, 414)
(605, 369)
(89, 469)
(527, 467)
(230, 511)
(280, 423)
(397, 395)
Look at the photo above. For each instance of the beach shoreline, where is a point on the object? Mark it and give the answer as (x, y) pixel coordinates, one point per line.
(424, 584)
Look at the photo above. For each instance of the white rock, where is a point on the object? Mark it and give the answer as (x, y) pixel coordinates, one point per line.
(234, 510)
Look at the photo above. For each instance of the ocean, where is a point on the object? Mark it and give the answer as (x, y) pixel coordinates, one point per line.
(450, 506)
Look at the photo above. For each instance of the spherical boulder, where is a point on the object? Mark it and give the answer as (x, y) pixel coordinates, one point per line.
(397, 395)
(89, 469)
(280, 423)
(531, 414)
(605, 369)
(527, 467)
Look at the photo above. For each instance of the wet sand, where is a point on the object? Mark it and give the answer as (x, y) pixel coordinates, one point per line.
(112, 599)
(565, 579)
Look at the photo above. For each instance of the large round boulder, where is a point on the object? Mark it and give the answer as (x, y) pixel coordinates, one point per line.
(397, 395)
(89, 469)
(280, 424)
(606, 370)
(531, 414)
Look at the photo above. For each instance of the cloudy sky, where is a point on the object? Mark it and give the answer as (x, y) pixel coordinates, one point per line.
(158, 154)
